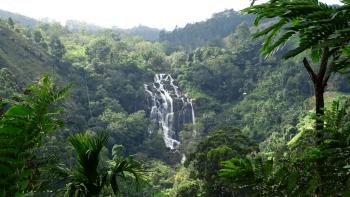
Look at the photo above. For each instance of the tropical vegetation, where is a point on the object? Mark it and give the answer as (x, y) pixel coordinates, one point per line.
(268, 87)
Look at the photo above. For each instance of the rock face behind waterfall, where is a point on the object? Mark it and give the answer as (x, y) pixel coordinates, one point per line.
(169, 109)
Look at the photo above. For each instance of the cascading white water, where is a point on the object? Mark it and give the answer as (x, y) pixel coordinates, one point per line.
(167, 107)
(193, 120)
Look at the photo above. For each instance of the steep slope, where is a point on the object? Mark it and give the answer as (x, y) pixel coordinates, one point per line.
(21, 56)
(18, 18)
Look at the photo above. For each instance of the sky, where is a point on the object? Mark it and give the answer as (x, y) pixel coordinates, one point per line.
(162, 14)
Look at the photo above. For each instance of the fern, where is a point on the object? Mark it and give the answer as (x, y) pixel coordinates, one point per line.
(22, 127)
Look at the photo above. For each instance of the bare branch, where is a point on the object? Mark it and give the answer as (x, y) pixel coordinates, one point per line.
(311, 72)
(324, 63)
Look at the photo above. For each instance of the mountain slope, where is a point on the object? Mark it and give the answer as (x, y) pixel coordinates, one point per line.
(147, 33)
(21, 56)
(18, 18)
(198, 34)
(144, 32)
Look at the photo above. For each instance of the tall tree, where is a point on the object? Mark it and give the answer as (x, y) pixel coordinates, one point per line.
(321, 29)
(323, 32)
(57, 49)
(241, 36)
(38, 37)
(10, 22)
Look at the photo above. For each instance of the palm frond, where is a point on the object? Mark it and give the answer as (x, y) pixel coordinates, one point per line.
(122, 166)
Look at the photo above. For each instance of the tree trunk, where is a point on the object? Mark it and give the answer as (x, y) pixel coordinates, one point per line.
(320, 82)
(319, 99)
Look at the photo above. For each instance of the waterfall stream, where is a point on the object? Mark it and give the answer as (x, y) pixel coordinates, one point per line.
(170, 110)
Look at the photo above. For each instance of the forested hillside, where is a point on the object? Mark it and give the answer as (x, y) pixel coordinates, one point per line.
(18, 18)
(206, 32)
(210, 109)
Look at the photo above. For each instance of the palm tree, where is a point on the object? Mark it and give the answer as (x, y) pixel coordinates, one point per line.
(322, 29)
(90, 176)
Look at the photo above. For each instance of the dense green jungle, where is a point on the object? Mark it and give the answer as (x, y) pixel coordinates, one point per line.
(249, 103)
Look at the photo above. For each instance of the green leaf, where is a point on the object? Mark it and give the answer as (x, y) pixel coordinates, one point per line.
(10, 131)
(316, 54)
(18, 110)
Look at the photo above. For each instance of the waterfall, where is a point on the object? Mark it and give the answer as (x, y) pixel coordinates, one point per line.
(183, 158)
(193, 121)
(169, 109)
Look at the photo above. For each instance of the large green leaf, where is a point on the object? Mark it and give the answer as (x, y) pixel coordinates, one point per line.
(18, 110)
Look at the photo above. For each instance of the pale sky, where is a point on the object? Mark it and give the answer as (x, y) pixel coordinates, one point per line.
(163, 14)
